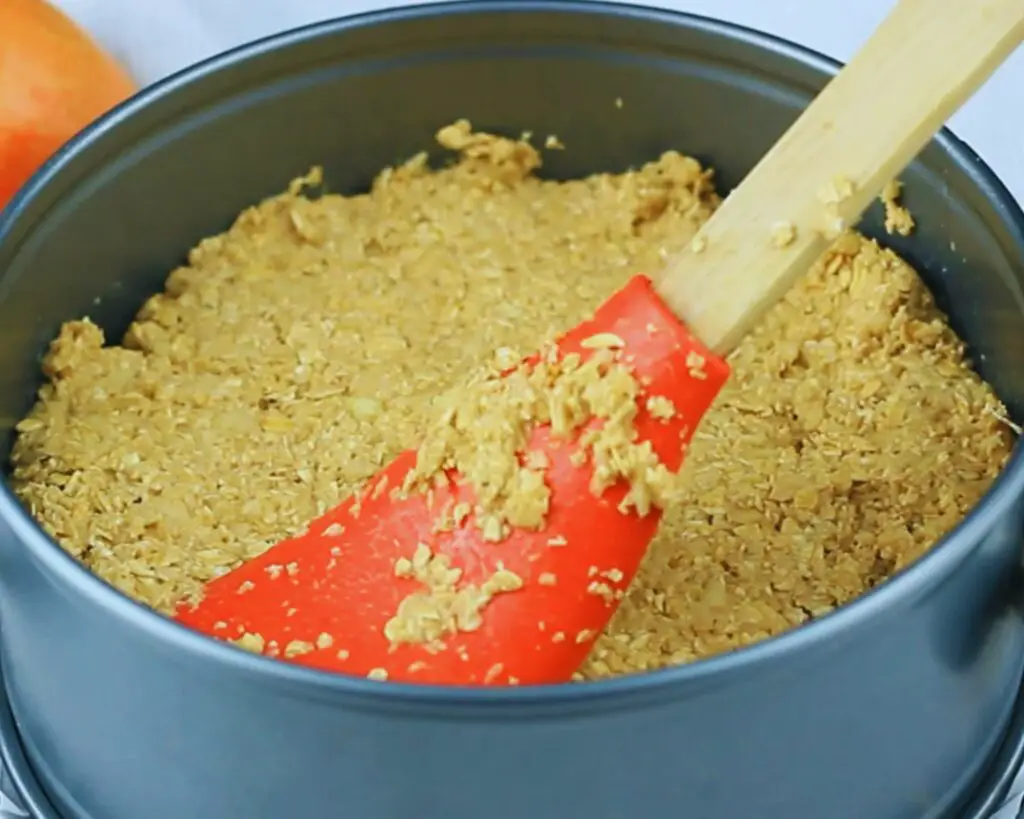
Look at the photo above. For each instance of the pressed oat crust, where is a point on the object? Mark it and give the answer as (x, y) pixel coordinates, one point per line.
(299, 351)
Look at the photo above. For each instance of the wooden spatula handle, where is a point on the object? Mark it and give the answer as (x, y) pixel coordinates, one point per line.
(863, 129)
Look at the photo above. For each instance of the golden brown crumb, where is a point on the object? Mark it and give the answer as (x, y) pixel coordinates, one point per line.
(851, 436)
(695, 364)
(502, 162)
(553, 143)
(296, 648)
(897, 218)
(783, 234)
(661, 407)
(602, 590)
(483, 429)
(403, 567)
(325, 640)
(547, 579)
(443, 606)
(603, 341)
(377, 674)
(251, 642)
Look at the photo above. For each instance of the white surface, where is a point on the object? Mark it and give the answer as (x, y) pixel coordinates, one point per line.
(157, 37)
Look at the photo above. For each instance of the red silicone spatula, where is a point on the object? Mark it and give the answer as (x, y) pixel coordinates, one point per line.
(422, 585)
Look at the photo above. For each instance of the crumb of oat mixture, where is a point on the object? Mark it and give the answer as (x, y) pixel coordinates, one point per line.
(296, 353)
(485, 426)
(443, 607)
(783, 234)
(897, 218)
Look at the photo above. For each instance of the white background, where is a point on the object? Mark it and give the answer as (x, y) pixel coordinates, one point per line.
(156, 37)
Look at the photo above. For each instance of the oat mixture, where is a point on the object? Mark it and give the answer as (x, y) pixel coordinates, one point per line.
(299, 351)
(484, 432)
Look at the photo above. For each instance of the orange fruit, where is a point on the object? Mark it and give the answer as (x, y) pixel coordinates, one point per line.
(54, 80)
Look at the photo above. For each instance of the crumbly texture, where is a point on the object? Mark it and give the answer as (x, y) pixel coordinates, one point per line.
(483, 434)
(487, 423)
(444, 606)
(897, 218)
(299, 351)
(783, 234)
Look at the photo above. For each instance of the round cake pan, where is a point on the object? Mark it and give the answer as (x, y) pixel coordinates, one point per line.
(892, 707)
